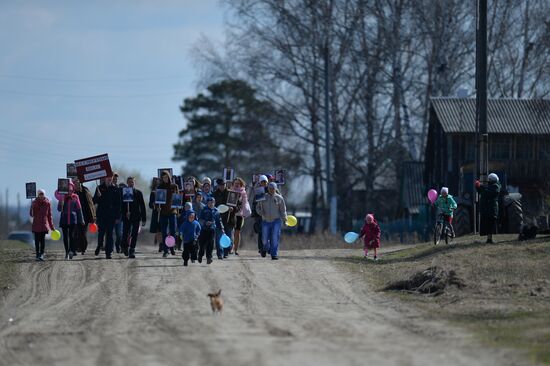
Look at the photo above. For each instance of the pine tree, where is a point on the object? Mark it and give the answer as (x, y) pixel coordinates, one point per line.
(229, 127)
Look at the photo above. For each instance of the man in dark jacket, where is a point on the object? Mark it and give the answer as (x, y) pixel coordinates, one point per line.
(88, 210)
(488, 209)
(108, 200)
(228, 218)
(262, 183)
(132, 213)
(118, 224)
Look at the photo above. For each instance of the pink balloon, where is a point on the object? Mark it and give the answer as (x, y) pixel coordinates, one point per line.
(432, 195)
(59, 196)
(170, 241)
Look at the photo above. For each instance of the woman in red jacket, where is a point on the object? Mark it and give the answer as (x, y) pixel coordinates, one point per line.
(41, 212)
(371, 235)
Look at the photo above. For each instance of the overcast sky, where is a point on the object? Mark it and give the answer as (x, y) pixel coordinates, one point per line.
(81, 78)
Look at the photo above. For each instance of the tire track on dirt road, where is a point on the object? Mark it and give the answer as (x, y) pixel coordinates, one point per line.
(304, 309)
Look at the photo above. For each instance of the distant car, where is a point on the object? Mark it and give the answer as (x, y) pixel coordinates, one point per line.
(23, 236)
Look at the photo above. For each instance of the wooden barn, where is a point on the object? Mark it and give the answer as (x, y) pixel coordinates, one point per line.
(519, 148)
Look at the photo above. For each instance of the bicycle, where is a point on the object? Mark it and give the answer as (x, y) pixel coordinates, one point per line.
(442, 230)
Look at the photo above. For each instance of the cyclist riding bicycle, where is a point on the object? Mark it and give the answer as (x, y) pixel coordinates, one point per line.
(446, 205)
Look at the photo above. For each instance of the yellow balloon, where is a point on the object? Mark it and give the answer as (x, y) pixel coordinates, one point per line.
(56, 235)
(291, 220)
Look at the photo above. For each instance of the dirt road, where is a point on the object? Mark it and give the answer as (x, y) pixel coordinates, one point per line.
(305, 309)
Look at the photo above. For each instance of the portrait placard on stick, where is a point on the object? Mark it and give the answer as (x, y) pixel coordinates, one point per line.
(178, 180)
(280, 177)
(177, 200)
(63, 185)
(30, 189)
(228, 174)
(168, 170)
(127, 194)
(160, 197)
(233, 198)
(189, 189)
(259, 194)
(71, 171)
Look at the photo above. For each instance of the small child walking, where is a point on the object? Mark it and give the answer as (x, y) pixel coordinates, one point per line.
(371, 235)
(190, 231)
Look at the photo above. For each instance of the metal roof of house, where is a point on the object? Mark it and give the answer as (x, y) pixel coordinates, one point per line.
(506, 116)
(412, 188)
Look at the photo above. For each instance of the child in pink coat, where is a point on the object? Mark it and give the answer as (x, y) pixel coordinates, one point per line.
(371, 235)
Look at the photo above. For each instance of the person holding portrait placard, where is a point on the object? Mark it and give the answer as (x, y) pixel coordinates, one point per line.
(154, 227)
(109, 202)
(168, 215)
(133, 212)
(71, 217)
(118, 223)
(88, 211)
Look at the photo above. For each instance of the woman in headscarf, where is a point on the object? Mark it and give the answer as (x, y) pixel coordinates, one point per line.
(41, 212)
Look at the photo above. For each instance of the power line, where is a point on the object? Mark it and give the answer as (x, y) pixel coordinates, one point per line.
(17, 92)
(136, 79)
(119, 149)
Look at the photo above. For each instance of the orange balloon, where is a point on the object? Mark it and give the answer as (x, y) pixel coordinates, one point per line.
(93, 228)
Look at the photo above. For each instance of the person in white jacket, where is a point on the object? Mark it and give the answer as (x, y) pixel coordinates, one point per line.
(273, 212)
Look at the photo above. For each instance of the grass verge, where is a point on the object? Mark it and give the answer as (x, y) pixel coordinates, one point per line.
(506, 300)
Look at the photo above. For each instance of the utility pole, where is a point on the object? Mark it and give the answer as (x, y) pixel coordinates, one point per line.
(331, 199)
(18, 218)
(6, 210)
(482, 163)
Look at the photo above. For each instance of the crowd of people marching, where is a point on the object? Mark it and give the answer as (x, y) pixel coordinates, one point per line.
(196, 228)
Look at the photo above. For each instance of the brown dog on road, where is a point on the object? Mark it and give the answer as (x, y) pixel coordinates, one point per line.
(216, 301)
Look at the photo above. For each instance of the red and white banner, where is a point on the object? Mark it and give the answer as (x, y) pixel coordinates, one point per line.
(93, 168)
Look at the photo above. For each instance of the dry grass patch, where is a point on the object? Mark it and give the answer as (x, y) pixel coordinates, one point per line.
(504, 294)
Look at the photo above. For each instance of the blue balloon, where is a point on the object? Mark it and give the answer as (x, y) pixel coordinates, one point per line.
(351, 237)
(225, 241)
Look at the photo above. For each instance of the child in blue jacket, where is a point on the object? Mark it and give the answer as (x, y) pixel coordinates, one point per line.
(210, 221)
(190, 231)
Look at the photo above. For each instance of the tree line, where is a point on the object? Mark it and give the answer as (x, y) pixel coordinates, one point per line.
(374, 64)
